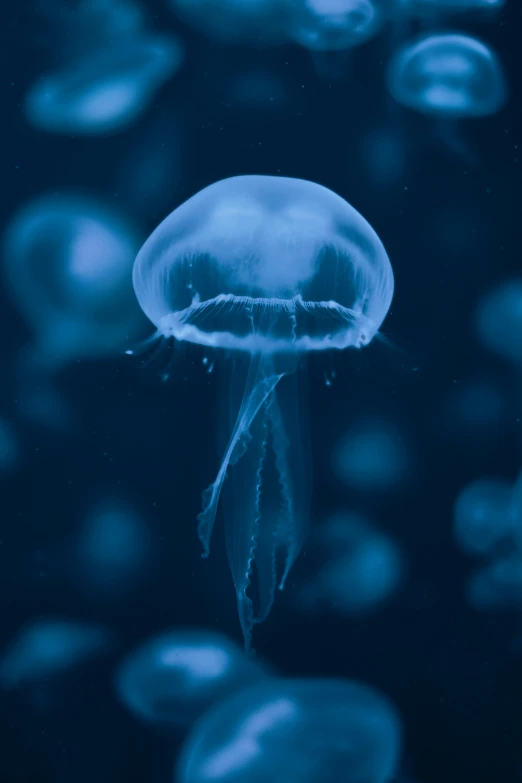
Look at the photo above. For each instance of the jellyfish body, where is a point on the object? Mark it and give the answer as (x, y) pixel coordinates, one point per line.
(482, 517)
(499, 320)
(48, 647)
(332, 25)
(270, 268)
(498, 585)
(106, 90)
(67, 265)
(448, 75)
(295, 730)
(234, 21)
(174, 678)
(359, 568)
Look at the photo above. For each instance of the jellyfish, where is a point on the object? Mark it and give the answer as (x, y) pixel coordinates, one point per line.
(498, 585)
(268, 269)
(47, 647)
(499, 321)
(104, 91)
(260, 22)
(448, 77)
(358, 568)
(332, 25)
(173, 678)
(67, 265)
(295, 730)
(482, 519)
(371, 457)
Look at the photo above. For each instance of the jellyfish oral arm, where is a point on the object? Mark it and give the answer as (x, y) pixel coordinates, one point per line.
(260, 384)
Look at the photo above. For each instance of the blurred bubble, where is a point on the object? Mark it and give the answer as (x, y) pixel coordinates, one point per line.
(499, 320)
(359, 568)
(332, 25)
(482, 516)
(371, 457)
(175, 677)
(257, 22)
(105, 91)
(448, 75)
(296, 730)
(48, 647)
(498, 586)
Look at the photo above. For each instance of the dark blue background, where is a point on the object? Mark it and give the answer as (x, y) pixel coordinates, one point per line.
(455, 675)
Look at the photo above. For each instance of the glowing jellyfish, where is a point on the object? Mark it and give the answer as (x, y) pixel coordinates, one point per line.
(497, 586)
(482, 516)
(106, 90)
(67, 265)
(332, 25)
(296, 730)
(448, 75)
(175, 677)
(234, 21)
(270, 268)
(359, 568)
(372, 456)
(47, 648)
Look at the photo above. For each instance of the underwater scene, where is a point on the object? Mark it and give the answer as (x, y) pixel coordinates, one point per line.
(261, 410)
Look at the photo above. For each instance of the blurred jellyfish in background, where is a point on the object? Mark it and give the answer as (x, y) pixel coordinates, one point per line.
(296, 730)
(9, 448)
(472, 412)
(104, 91)
(173, 678)
(112, 550)
(448, 77)
(332, 25)
(499, 321)
(498, 585)
(371, 456)
(482, 519)
(358, 568)
(271, 268)
(48, 647)
(67, 265)
(258, 22)
(383, 152)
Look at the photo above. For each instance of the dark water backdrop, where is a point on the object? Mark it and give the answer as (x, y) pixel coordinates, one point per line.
(452, 228)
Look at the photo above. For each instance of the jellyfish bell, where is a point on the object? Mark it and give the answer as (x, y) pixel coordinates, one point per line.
(332, 25)
(295, 730)
(270, 268)
(448, 75)
(67, 266)
(106, 90)
(482, 516)
(173, 678)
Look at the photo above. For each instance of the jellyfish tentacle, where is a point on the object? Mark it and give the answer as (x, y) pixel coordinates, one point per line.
(261, 382)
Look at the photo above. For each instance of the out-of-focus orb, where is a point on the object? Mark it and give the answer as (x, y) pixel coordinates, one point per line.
(46, 648)
(498, 586)
(302, 731)
(332, 25)
(104, 91)
(68, 263)
(175, 677)
(499, 320)
(361, 568)
(482, 516)
(234, 21)
(449, 75)
(371, 457)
